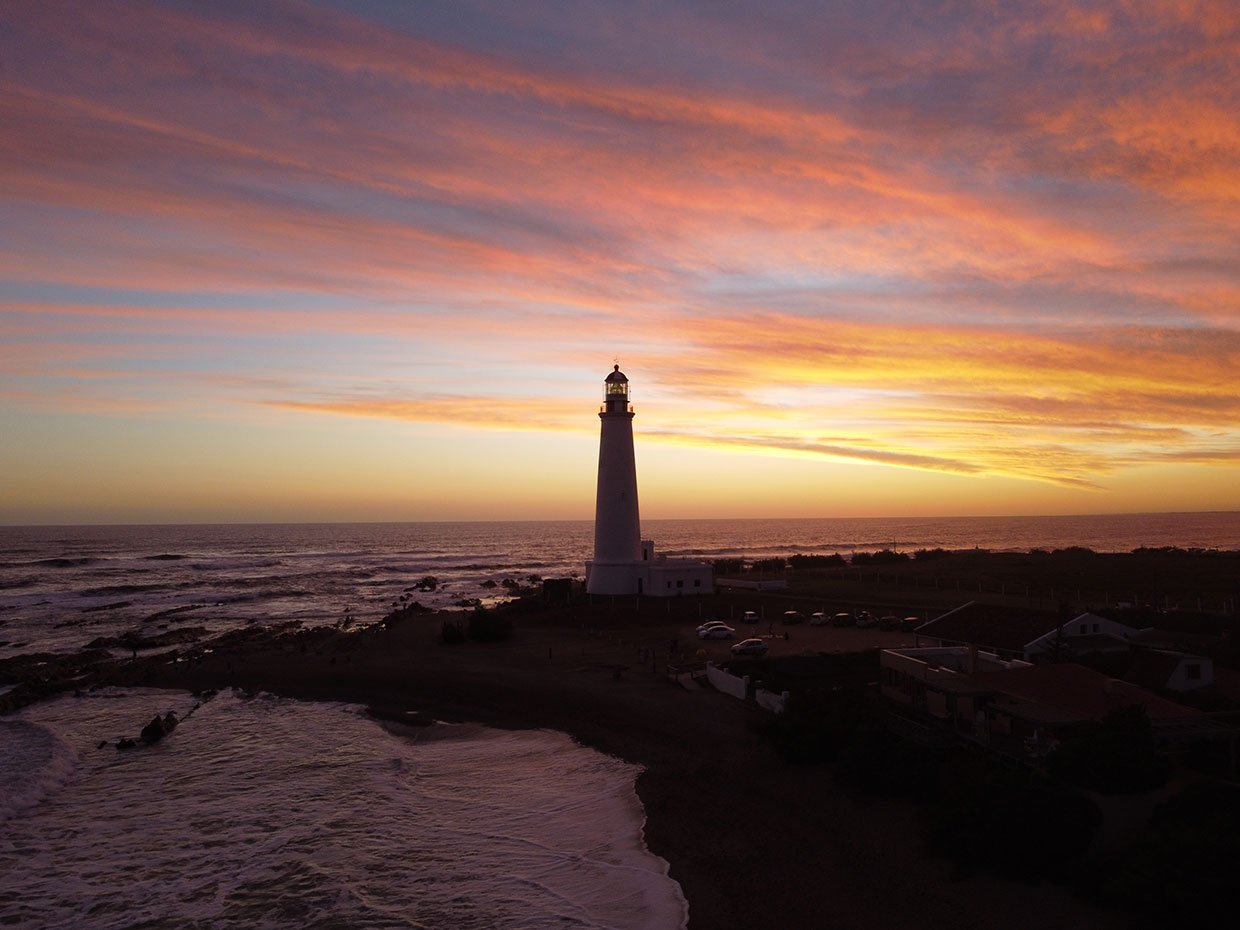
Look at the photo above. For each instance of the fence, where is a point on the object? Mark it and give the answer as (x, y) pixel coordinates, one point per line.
(776, 703)
(727, 682)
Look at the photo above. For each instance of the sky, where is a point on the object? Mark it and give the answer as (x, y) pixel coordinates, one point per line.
(302, 261)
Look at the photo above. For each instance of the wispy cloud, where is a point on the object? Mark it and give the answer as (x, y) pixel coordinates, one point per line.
(957, 238)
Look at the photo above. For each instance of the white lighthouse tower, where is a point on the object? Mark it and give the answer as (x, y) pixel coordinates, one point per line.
(623, 563)
(617, 527)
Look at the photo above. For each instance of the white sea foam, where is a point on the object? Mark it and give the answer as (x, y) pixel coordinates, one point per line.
(267, 813)
(34, 764)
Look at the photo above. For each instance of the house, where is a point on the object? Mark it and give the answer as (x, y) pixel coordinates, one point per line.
(1165, 670)
(1010, 704)
(1019, 633)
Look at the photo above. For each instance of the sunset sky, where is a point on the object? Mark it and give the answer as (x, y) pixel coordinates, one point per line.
(371, 261)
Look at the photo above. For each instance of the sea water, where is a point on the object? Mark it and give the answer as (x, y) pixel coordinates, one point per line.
(269, 813)
(63, 587)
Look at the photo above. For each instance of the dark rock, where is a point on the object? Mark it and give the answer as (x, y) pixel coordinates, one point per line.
(102, 743)
(154, 731)
(126, 743)
(412, 718)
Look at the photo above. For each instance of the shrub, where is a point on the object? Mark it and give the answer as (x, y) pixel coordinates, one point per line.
(1116, 756)
(815, 561)
(774, 564)
(815, 731)
(1182, 872)
(881, 557)
(879, 761)
(488, 626)
(451, 632)
(1016, 824)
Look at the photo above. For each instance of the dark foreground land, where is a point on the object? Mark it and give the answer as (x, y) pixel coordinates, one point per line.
(753, 840)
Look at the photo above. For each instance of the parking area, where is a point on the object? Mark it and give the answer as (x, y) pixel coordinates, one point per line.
(796, 639)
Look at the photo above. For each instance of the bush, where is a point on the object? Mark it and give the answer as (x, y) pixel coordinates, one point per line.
(815, 731)
(728, 566)
(1183, 871)
(816, 561)
(879, 761)
(451, 632)
(487, 626)
(774, 564)
(925, 555)
(1116, 756)
(881, 557)
(1016, 824)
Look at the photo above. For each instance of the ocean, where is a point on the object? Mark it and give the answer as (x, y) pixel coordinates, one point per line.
(62, 587)
(268, 814)
(262, 812)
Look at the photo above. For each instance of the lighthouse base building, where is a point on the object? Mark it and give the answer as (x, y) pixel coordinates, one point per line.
(656, 576)
(623, 562)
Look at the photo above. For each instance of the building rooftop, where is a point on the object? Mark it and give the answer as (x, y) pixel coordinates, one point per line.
(1080, 691)
(1007, 628)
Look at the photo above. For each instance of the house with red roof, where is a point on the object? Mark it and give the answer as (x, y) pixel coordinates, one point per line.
(1010, 704)
(1020, 633)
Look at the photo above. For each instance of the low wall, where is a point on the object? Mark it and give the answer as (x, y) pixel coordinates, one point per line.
(727, 682)
(752, 584)
(773, 701)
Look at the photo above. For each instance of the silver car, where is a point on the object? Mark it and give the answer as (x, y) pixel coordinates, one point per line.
(749, 647)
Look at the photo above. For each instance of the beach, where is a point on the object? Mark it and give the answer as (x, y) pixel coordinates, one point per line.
(752, 841)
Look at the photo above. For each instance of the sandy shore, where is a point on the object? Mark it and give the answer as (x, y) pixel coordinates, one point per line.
(752, 841)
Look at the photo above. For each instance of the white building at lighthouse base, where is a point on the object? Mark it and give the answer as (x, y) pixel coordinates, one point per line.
(655, 576)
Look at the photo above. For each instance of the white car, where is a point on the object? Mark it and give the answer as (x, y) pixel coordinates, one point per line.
(818, 618)
(749, 647)
(709, 624)
(722, 631)
(749, 616)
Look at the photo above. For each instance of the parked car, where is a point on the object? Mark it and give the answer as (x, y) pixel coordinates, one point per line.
(749, 647)
(843, 618)
(710, 624)
(911, 623)
(818, 618)
(723, 631)
(793, 616)
(889, 622)
(865, 619)
(749, 616)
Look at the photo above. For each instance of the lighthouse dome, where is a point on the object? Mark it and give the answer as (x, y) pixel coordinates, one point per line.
(616, 376)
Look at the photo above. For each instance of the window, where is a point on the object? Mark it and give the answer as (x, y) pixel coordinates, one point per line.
(1084, 628)
(1095, 628)
(1192, 671)
(697, 582)
(669, 585)
(680, 584)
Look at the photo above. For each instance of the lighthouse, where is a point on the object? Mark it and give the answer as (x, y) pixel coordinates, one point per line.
(617, 527)
(623, 563)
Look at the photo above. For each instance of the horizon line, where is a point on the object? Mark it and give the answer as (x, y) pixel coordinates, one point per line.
(1011, 516)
